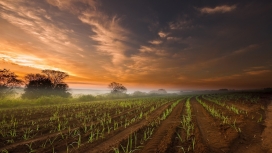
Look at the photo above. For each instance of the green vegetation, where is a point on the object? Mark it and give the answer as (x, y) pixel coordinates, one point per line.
(144, 134)
(53, 122)
(74, 122)
(56, 100)
(214, 112)
(187, 127)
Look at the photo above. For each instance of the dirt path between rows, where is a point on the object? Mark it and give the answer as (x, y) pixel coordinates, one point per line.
(162, 137)
(108, 144)
(267, 133)
(211, 135)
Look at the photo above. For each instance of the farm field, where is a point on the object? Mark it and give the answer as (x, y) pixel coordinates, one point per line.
(229, 122)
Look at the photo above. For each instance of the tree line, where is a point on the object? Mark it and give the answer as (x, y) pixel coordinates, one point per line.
(46, 83)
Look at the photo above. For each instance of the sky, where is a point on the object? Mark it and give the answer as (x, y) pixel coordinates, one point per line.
(175, 45)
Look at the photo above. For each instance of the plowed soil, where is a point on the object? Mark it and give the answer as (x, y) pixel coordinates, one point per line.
(162, 137)
(249, 132)
(113, 141)
(267, 133)
(212, 136)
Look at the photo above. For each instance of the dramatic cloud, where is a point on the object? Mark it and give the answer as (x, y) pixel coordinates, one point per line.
(180, 45)
(38, 26)
(155, 42)
(37, 23)
(109, 35)
(258, 72)
(162, 34)
(217, 9)
(24, 60)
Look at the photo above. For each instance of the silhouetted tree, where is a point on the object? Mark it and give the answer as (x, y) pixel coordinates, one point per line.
(162, 91)
(38, 85)
(8, 80)
(31, 77)
(117, 88)
(56, 77)
(61, 89)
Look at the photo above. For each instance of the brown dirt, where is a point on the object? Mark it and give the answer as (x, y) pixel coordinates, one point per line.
(162, 137)
(214, 140)
(250, 139)
(226, 139)
(44, 134)
(108, 144)
(62, 146)
(210, 134)
(267, 134)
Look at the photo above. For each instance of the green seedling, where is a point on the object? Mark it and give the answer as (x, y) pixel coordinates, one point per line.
(193, 143)
(260, 119)
(30, 148)
(10, 141)
(4, 151)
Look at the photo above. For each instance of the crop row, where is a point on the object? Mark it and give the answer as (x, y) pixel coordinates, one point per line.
(136, 140)
(243, 104)
(216, 113)
(87, 129)
(236, 97)
(218, 101)
(57, 117)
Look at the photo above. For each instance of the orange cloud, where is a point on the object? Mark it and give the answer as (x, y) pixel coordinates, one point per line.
(258, 72)
(155, 42)
(217, 9)
(95, 48)
(108, 34)
(163, 34)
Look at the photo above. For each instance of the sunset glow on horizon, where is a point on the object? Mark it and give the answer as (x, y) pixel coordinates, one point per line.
(180, 45)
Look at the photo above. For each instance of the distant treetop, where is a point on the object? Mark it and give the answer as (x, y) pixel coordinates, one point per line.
(8, 81)
(117, 88)
(160, 91)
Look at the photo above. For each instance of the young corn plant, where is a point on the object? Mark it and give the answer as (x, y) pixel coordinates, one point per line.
(260, 119)
(12, 133)
(26, 134)
(188, 127)
(30, 148)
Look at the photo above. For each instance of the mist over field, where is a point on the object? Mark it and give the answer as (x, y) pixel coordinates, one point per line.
(76, 92)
